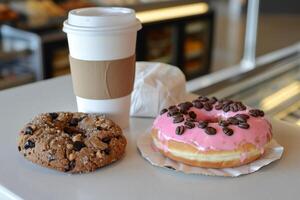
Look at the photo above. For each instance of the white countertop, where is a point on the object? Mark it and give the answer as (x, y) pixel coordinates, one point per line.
(132, 177)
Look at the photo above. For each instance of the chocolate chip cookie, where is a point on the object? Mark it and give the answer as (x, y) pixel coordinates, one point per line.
(72, 142)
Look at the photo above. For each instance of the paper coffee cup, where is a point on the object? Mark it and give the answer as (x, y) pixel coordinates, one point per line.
(102, 44)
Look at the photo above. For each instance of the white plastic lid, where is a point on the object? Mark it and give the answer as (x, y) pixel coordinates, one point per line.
(101, 19)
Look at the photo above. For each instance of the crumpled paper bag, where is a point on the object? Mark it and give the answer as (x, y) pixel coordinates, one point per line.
(157, 85)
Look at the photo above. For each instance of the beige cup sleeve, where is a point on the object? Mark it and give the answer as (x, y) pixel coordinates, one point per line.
(103, 79)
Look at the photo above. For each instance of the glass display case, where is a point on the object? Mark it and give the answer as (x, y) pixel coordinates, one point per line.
(274, 86)
(16, 61)
(178, 32)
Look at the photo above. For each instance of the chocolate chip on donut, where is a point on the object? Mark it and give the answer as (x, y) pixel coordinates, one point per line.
(172, 107)
(188, 119)
(226, 108)
(198, 104)
(233, 121)
(223, 123)
(178, 119)
(163, 111)
(189, 125)
(213, 100)
(256, 113)
(183, 111)
(207, 106)
(185, 106)
(244, 116)
(243, 125)
(219, 106)
(210, 131)
(228, 131)
(173, 111)
(192, 115)
(202, 124)
(179, 130)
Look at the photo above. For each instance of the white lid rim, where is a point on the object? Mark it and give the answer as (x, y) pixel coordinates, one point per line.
(67, 28)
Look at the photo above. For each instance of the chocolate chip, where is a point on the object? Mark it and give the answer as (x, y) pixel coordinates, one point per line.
(226, 108)
(188, 119)
(179, 130)
(207, 106)
(189, 125)
(163, 111)
(223, 123)
(219, 106)
(173, 112)
(106, 140)
(228, 131)
(78, 145)
(53, 115)
(213, 100)
(99, 128)
(255, 112)
(202, 124)
(19, 148)
(233, 107)
(50, 157)
(178, 119)
(29, 144)
(71, 166)
(172, 107)
(28, 131)
(242, 117)
(233, 121)
(210, 131)
(192, 115)
(74, 122)
(183, 111)
(107, 151)
(186, 105)
(243, 125)
(70, 131)
(203, 99)
(198, 104)
(242, 107)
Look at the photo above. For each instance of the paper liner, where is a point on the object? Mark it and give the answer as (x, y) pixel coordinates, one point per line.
(273, 152)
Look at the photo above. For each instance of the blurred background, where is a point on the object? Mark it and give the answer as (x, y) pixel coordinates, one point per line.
(214, 43)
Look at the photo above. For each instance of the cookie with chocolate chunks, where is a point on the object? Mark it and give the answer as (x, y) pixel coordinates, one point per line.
(71, 142)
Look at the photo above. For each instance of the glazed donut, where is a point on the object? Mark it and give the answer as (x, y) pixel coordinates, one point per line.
(212, 133)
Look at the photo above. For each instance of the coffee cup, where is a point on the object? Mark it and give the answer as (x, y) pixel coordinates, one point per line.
(102, 43)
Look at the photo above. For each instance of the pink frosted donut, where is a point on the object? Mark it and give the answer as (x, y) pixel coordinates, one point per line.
(211, 133)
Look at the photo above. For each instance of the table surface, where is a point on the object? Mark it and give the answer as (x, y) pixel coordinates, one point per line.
(132, 177)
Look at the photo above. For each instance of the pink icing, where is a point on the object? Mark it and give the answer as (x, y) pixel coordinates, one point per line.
(257, 134)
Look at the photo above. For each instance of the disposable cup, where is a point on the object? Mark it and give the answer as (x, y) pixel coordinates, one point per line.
(102, 37)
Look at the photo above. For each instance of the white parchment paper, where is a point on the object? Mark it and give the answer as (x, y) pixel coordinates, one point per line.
(273, 152)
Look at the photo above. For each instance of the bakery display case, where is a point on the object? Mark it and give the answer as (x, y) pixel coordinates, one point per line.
(174, 31)
(19, 59)
(273, 86)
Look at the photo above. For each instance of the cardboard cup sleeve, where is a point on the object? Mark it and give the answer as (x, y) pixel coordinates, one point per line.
(103, 79)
